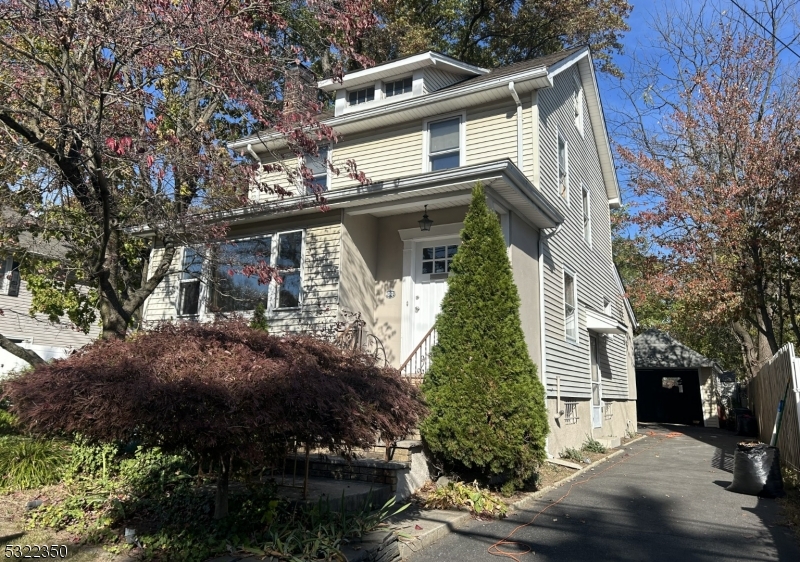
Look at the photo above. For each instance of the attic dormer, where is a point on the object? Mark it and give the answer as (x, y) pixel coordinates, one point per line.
(397, 80)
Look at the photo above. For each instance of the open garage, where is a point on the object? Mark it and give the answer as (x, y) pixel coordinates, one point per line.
(675, 384)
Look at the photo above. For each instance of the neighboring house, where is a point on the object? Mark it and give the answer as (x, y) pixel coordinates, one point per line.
(50, 340)
(425, 129)
(675, 383)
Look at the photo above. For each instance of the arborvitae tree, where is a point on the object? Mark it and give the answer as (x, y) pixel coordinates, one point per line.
(487, 408)
(259, 320)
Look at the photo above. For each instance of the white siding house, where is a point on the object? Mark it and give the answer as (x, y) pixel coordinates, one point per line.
(424, 130)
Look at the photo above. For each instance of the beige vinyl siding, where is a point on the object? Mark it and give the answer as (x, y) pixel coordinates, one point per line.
(17, 323)
(389, 154)
(591, 265)
(320, 284)
(162, 304)
(492, 133)
(268, 180)
(434, 79)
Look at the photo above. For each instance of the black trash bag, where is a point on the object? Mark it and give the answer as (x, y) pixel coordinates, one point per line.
(757, 471)
(746, 425)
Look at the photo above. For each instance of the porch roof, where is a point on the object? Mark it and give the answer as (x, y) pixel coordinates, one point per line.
(503, 180)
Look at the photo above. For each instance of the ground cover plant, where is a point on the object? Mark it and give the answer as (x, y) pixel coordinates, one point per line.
(224, 392)
(107, 488)
(487, 411)
(459, 495)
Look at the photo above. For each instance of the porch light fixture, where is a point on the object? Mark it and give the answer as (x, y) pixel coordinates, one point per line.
(425, 223)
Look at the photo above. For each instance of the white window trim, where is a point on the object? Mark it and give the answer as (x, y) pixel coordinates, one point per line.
(578, 101)
(462, 138)
(559, 139)
(301, 189)
(568, 271)
(184, 281)
(586, 215)
(10, 278)
(397, 96)
(272, 297)
(274, 284)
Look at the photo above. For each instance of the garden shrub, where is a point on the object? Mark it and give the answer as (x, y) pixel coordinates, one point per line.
(219, 391)
(27, 463)
(487, 409)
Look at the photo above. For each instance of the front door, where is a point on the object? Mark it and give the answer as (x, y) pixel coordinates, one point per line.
(433, 259)
(597, 403)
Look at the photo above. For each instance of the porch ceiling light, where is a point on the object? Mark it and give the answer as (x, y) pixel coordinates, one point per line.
(425, 223)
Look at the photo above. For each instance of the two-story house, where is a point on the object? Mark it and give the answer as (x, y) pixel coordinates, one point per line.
(425, 129)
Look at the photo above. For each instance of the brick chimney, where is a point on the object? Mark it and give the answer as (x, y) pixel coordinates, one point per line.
(300, 89)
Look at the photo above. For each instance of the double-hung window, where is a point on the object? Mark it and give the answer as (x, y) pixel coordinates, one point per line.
(444, 144)
(570, 309)
(563, 171)
(289, 259)
(318, 167)
(9, 277)
(192, 272)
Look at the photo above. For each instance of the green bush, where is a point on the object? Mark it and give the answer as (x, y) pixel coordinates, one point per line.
(487, 409)
(7, 423)
(572, 454)
(30, 463)
(591, 445)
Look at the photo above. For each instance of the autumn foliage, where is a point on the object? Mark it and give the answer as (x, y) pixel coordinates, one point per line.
(218, 390)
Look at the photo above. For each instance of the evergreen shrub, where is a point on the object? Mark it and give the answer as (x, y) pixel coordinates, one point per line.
(487, 408)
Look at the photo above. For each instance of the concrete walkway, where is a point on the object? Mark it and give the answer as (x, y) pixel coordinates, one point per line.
(665, 501)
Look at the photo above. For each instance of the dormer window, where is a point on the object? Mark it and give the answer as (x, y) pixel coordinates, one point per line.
(398, 87)
(358, 97)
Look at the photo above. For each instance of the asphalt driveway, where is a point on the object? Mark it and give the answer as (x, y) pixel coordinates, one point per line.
(665, 501)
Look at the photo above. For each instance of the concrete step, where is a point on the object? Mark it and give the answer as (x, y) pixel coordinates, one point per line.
(609, 442)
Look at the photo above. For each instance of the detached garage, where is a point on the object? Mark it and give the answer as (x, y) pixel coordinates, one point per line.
(675, 384)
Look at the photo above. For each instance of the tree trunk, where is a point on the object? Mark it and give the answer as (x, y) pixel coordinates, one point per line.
(25, 354)
(115, 326)
(221, 499)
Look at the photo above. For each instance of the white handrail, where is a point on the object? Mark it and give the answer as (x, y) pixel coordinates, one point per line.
(419, 361)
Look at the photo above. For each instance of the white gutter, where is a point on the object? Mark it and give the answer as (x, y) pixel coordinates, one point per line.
(519, 122)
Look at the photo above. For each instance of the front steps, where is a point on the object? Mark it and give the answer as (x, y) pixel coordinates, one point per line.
(404, 472)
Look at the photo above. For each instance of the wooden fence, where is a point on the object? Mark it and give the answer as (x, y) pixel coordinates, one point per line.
(767, 389)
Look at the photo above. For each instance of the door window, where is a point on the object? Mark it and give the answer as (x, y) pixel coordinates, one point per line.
(437, 259)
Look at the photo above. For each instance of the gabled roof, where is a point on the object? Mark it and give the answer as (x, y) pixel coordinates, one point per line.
(654, 349)
(493, 86)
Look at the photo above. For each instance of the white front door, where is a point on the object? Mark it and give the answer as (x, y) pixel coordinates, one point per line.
(431, 267)
(597, 391)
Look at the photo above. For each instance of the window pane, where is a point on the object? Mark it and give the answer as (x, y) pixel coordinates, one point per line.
(427, 267)
(290, 249)
(444, 135)
(233, 291)
(317, 164)
(190, 297)
(451, 251)
(439, 267)
(427, 253)
(371, 93)
(445, 161)
(289, 290)
(353, 98)
(439, 252)
(192, 264)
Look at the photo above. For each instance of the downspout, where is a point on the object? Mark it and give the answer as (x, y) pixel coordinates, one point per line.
(252, 153)
(519, 122)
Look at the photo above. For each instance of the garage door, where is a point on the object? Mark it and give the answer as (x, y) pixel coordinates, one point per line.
(669, 396)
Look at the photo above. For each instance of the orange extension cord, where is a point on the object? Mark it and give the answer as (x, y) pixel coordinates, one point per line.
(495, 549)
